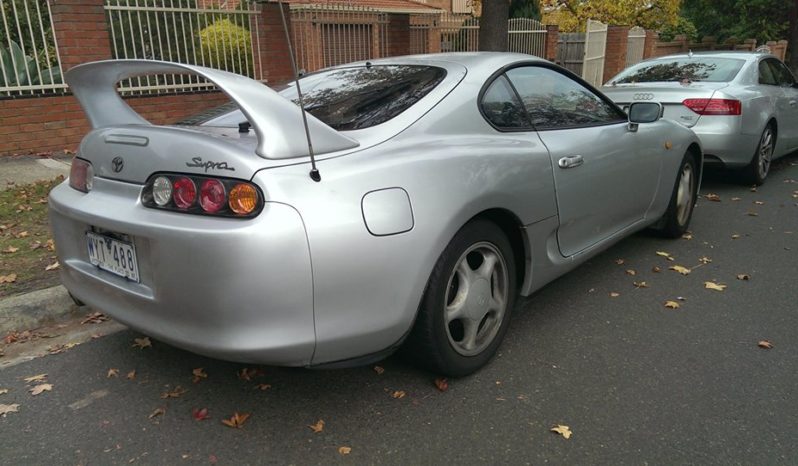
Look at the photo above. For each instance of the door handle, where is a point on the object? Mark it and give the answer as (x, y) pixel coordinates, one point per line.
(570, 161)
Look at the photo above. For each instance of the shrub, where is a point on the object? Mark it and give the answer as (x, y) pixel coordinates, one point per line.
(228, 46)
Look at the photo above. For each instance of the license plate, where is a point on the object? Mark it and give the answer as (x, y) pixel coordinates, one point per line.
(118, 257)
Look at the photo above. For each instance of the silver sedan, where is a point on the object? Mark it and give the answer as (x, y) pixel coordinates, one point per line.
(742, 105)
(444, 186)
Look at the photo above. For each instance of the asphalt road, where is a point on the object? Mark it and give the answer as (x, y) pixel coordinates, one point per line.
(636, 382)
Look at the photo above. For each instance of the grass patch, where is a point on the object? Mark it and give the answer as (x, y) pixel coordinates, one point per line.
(26, 245)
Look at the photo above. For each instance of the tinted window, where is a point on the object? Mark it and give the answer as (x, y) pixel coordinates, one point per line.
(693, 69)
(501, 106)
(781, 73)
(766, 74)
(357, 98)
(554, 100)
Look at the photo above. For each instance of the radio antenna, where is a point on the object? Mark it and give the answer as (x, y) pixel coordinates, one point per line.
(314, 172)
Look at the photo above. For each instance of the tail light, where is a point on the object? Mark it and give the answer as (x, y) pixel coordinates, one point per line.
(202, 195)
(81, 175)
(714, 106)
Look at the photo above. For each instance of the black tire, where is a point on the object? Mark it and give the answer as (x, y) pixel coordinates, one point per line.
(757, 171)
(680, 209)
(439, 341)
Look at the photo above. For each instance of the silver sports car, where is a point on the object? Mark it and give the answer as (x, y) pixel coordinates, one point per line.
(742, 105)
(446, 185)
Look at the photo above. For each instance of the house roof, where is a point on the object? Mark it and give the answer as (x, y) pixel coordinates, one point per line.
(383, 6)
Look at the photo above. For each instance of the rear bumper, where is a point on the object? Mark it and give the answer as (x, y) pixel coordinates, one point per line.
(722, 139)
(227, 288)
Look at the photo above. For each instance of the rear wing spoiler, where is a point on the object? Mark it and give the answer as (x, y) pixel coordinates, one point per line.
(276, 120)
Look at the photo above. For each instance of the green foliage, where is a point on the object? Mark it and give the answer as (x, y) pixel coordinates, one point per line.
(228, 46)
(25, 72)
(763, 20)
(37, 35)
(683, 27)
(525, 9)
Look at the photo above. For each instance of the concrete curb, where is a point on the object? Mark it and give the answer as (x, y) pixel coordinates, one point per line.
(32, 310)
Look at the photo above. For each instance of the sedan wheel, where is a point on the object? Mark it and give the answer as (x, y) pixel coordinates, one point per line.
(467, 305)
(759, 168)
(677, 218)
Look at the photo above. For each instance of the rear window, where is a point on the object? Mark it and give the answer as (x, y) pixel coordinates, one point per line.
(357, 98)
(691, 69)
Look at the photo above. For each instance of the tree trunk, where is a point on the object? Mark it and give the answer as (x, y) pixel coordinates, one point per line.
(792, 39)
(493, 25)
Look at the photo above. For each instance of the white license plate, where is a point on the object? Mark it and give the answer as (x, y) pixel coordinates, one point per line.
(115, 256)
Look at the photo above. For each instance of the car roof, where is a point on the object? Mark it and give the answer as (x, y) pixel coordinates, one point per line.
(472, 61)
(739, 54)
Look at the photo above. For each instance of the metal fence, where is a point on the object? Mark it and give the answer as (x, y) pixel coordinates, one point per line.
(526, 35)
(29, 61)
(332, 34)
(571, 51)
(459, 33)
(595, 51)
(225, 38)
(635, 45)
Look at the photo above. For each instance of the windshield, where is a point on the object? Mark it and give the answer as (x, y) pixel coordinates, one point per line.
(361, 97)
(692, 69)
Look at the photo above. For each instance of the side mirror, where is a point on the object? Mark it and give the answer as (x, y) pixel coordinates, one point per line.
(643, 112)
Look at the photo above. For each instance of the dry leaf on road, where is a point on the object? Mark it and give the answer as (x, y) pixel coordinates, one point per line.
(317, 427)
(680, 269)
(687, 236)
(199, 374)
(735, 236)
(664, 254)
(379, 370)
(3, 391)
(631, 272)
(200, 414)
(441, 384)
(344, 450)
(5, 409)
(736, 199)
(614, 294)
(398, 394)
(38, 389)
(176, 393)
(713, 197)
(714, 286)
(565, 431)
(157, 412)
(619, 261)
(672, 305)
(94, 318)
(131, 375)
(142, 343)
(112, 372)
(743, 276)
(705, 260)
(52, 266)
(764, 344)
(35, 378)
(640, 284)
(263, 386)
(237, 420)
(656, 269)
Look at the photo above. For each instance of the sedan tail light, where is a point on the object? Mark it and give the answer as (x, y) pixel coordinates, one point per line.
(714, 106)
(202, 195)
(81, 175)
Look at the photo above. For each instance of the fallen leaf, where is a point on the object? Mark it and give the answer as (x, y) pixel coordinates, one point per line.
(759, 202)
(619, 261)
(565, 431)
(22, 234)
(379, 370)
(50, 244)
(157, 412)
(249, 373)
(317, 427)
(398, 394)
(680, 269)
(672, 305)
(113, 372)
(736, 199)
(344, 450)
(237, 420)
(640, 284)
(5, 409)
(713, 197)
(3, 391)
(656, 269)
(199, 374)
(753, 189)
(200, 414)
(131, 375)
(743, 276)
(613, 294)
(142, 343)
(10, 278)
(35, 378)
(735, 236)
(752, 214)
(52, 266)
(764, 344)
(714, 286)
(176, 393)
(687, 236)
(10, 250)
(631, 272)
(442, 384)
(38, 389)
(94, 318)
(664, 254)
(705, 260)
(263, 386)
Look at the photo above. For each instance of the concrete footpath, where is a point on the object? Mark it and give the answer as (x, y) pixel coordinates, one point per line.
(31, 310)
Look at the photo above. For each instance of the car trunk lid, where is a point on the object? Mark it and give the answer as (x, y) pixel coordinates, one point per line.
(670, 94)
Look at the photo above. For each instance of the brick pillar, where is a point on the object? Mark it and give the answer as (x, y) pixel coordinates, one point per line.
(552, 36)
(615, 53)
(434, 38)
(274, 56)
(650, 45)
(81, 30)
(398, 35)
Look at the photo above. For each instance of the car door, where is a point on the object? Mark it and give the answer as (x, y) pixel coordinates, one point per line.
(605, 175)
(787, 105)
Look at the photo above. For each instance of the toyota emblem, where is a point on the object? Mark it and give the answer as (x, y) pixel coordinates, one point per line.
(117, 164)
(643, 96)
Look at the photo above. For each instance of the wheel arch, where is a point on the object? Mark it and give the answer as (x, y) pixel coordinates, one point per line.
(512, 226)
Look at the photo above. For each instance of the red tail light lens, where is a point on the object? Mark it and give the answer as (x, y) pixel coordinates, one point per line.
(714, 106)
(81, 175)
(212, 196)
(185, 192)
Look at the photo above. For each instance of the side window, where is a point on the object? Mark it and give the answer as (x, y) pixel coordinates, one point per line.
(501, 107)
(554, 100)
(781, 73)
(766, 73)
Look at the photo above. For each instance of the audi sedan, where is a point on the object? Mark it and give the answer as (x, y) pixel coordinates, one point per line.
(742, 105)
(425, 194)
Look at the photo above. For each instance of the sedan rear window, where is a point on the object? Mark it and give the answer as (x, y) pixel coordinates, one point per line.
(361, 97)
(692, 69)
